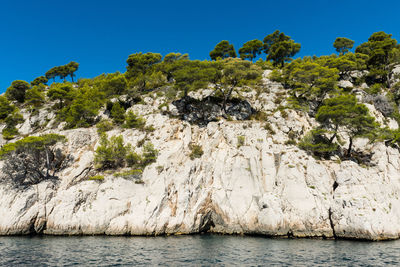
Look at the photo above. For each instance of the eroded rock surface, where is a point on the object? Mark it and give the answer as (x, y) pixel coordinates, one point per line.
(262, 186)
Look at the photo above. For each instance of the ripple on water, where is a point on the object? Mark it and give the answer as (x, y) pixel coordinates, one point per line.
(194, 250)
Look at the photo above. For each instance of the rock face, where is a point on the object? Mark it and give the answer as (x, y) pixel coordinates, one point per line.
(261, 187)
(257, 186)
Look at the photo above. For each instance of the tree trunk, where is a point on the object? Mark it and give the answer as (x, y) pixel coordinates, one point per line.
(350, 145)
(334, 135)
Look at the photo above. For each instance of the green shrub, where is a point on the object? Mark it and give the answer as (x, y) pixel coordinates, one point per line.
(197, 151)
(61, 92)
(10, 131)
(133, 158)
(97, 178)
(6, 108)
(134, 121)
(149, 154)
(118, 113)
(268, 127)
(34, 97)
(316, 143)
(104, 126)
(111, 153)
(284, 113)
(374, 89)
(240, 141)
(149, 129)
(290, 142)
(129, 174)
(83, 109)
(260, 116)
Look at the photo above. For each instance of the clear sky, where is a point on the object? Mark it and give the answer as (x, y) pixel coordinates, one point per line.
(39, 34)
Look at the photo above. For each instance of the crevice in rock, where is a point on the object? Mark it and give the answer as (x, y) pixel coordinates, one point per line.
(42, 227)
(277, 161)
(206, 223)
(331, 222)
(335, 185)
(75, 180)
(31, 230)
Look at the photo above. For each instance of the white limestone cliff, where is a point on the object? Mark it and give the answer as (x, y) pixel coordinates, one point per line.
(262, 187)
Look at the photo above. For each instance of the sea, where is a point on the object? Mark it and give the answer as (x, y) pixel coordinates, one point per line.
(193, 250)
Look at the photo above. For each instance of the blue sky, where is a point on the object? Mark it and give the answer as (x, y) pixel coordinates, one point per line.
(37, 35)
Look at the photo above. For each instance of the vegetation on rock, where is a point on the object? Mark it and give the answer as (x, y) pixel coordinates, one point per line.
(325, 87)
(33, 159)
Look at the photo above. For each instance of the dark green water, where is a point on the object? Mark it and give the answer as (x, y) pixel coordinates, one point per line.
(199, 250)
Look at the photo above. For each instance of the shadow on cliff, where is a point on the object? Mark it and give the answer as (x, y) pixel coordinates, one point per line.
(209, 109)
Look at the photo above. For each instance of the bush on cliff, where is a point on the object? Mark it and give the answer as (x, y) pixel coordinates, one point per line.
(113, 153)
(32, 159)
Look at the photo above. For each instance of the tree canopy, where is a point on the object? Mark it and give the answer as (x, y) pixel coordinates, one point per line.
(343, 45)
(310, 81)
(280, 48)
(223, 50)
(17, 90)
(344, 113)
(382, 51)
(39, 80)
(251, 49)
(63, 71)
(139, 63)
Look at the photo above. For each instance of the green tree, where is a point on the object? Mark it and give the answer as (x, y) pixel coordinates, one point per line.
(72, 67)
(346, 63)
(33, 159)
(118, 113)
(192, 76)
(149, 154)
(343, 45)
(52, 73)
(134, 121)
(84, 107)
(382, 51)
(60, 92)
(280, 48)
(34, 97)
(251, 49)
(140, 71)
(17, 90)
(231, 74)
(317, 143)
(6, 108)
(110, 153)
(379, 48)
(63, 71)
(223, 50)
(172, 57)
(343, 114)
(310, 82)
(39, 80)
(12, 120)
(115, 84)
(140, 63)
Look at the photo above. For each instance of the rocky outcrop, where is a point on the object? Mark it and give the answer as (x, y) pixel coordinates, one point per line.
(260, 185)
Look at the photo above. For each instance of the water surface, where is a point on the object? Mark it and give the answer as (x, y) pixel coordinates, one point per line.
(199, 250)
